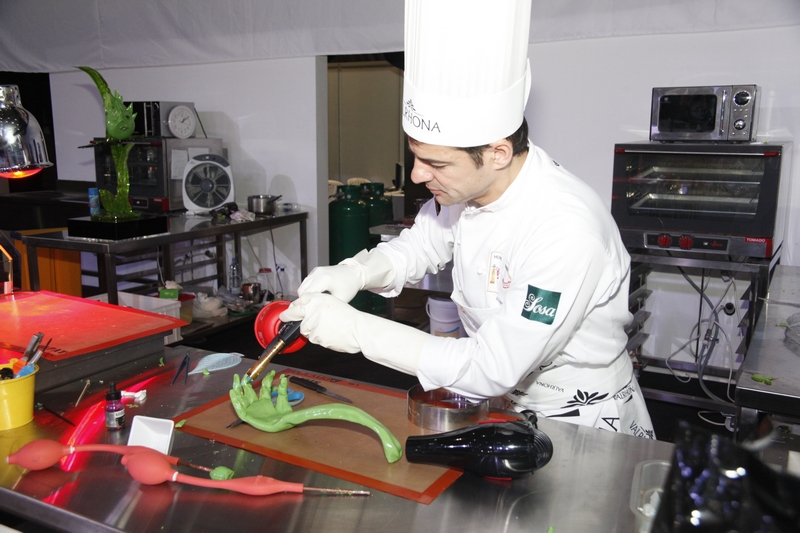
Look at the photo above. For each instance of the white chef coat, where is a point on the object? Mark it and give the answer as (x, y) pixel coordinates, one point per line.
(540, 279)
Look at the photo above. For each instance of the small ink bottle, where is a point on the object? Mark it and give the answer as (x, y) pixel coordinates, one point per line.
(115, 409)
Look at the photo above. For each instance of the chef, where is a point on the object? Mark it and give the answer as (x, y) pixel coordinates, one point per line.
(540, 274)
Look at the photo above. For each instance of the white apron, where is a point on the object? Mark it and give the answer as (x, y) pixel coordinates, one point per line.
(577, 394)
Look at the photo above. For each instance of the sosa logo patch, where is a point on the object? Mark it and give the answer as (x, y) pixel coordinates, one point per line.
(541, 305)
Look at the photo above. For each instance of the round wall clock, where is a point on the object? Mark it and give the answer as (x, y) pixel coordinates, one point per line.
(181, 121)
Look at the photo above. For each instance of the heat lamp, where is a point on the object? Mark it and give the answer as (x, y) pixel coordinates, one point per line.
(22, 149)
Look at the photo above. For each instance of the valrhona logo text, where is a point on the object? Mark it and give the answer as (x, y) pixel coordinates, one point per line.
(411, 116)
(541, 305)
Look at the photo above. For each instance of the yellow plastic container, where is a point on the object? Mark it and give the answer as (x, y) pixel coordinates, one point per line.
(16, 400)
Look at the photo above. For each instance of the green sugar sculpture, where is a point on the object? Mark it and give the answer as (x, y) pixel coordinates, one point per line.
(261, 413)
(119, 127)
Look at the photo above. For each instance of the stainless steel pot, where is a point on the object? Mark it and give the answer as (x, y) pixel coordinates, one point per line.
(262, 204)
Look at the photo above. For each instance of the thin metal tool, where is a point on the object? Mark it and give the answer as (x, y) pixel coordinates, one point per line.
(184, 367)
(52, 412)
(337, 492)
(80, 397)
(316, 387)
(181, 462)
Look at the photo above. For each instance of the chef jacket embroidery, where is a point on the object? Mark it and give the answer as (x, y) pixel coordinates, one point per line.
(541, 305)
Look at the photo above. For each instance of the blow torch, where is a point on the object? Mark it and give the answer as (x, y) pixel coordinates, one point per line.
(285, 337)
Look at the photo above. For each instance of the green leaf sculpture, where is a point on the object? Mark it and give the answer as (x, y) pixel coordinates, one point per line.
(119, 127)
(119, 119)
(261, 413)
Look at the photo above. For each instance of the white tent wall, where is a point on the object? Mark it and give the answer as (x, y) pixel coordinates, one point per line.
(53, 35)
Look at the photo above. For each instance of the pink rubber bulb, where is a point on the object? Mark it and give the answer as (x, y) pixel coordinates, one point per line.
(38, 454)
(151, 468)
(44, 453)
(148, 467)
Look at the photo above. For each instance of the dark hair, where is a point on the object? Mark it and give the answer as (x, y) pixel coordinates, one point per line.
(518, 140)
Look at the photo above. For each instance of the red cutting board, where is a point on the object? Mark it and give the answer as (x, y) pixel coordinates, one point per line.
(76, 325)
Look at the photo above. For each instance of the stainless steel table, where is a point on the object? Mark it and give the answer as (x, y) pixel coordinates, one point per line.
(771, 355)
(181, 228)
(585, 487)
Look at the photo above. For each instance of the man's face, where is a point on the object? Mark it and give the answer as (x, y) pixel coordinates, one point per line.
(451, 176)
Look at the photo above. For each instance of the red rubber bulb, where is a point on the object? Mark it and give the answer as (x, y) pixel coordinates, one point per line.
(152, 468)
(38, 454)
(148, 467)
(268, 323)
(44, 453)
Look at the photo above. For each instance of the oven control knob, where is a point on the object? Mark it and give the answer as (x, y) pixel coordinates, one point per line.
(739, 124)
(664, 240)
(686, 242)
(742, 98)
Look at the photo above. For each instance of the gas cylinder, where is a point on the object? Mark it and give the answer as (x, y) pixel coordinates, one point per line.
(379, 211)
(379, 208)
(348, 220)
(348, 223)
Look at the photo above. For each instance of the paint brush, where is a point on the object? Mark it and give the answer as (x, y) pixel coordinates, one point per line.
(31, 365)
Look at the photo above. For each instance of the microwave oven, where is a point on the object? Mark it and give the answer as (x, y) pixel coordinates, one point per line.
(156, 167)
(702, 198)
(726, 113)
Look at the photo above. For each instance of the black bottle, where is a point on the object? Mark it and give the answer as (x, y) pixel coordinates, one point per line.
(495, 449)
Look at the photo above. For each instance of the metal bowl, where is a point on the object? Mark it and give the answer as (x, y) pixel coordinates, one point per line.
(443, 410)
(262, 204)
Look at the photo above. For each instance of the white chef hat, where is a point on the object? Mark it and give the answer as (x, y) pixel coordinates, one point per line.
(467, 76)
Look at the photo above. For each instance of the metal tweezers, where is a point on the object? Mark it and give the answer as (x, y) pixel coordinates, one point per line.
(184, 367)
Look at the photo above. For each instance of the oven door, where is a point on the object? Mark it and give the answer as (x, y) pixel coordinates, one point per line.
(690, 114)
(725, 191)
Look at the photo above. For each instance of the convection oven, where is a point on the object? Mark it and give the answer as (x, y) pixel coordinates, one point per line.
(707, 198)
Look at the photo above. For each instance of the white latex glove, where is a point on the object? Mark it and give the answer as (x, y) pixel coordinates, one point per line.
(335, 325)
(367, 270)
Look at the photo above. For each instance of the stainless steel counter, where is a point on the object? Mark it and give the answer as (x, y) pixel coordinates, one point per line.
(771, 355)
(182, 227)
(585, 487)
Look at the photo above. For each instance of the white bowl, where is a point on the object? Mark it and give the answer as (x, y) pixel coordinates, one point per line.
(155, 433)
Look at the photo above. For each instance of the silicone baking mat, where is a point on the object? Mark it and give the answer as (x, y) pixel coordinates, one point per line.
(76, 325)
(341, 449)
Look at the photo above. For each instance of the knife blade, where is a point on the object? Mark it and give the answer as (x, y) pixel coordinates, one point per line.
(316, 387)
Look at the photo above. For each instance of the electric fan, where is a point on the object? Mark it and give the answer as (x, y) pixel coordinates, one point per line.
(207, 183)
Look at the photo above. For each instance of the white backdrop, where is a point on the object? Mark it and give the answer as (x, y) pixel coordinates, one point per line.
(54, 35)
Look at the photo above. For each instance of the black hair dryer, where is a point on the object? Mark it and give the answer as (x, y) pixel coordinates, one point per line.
(497, 449)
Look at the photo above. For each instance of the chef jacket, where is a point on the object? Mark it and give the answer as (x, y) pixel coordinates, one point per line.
(540, 279)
